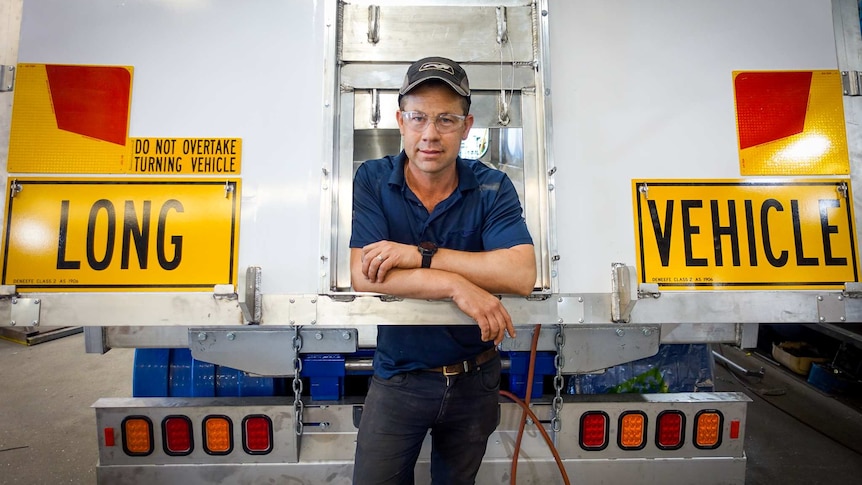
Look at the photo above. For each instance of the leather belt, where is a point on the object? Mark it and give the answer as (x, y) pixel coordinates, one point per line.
(466, 365)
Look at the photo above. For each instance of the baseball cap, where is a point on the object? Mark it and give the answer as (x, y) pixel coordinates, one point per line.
(440, 68)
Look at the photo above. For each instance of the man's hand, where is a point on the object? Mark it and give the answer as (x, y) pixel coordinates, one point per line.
(476, 302)
(487, 310)
(380, 257)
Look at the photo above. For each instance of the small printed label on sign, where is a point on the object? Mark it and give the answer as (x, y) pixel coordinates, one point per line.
(722, 234)
(185, 156)
(121, 234)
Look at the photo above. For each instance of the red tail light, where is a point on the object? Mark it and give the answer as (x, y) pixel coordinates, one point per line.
(257, 435)
(594, 430)
(177, 433)
(670, 430)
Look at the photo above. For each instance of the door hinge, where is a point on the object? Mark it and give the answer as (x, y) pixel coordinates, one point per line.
(851, 83)
(7, 78)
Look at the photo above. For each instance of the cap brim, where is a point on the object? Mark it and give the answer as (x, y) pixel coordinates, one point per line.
(457, 88)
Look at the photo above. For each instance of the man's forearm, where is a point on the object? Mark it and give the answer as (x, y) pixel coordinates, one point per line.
(434, 284)
(509, 271)
(426, 284)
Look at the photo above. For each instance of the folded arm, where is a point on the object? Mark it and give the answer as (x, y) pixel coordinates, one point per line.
(468, 278)
(509, 271)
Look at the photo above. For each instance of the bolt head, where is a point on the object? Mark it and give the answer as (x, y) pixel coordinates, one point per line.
(345, 335)
(231, 336)
(318, 336)
(202, 336)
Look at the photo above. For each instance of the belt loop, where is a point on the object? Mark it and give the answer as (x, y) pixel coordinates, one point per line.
(466, 366)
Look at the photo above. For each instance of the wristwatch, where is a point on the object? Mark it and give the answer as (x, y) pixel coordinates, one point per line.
(427, 249)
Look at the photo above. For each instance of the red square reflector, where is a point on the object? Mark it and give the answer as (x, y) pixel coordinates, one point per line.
(594, 430)
(257, 435)
(177, 433)
(734, 430)
(671, 426)
(109, 437)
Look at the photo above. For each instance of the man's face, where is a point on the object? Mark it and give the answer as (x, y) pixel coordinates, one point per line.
(429, 150)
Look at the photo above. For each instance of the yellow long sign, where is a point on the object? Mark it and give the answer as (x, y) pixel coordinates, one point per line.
(731, 234)
(65, 234)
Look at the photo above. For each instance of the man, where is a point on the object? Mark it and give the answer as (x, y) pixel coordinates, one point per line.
(428, 224)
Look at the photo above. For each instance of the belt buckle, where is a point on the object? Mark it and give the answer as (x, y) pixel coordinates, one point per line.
(456, 371)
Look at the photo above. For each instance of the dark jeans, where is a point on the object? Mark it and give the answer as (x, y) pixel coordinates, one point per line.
(398, 412)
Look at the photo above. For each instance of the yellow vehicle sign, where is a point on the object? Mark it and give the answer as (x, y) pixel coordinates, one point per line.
(731, 234)
(69, 234)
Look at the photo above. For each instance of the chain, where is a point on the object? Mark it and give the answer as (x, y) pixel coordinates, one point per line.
(559, 360)
(297, 381)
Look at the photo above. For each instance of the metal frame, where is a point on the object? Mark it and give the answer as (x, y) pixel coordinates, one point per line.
(365, 70)
(202, 309)
(10, 12)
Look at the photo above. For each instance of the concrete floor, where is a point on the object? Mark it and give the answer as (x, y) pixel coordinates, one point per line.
(795, 434)
(48, 435)
(47, 429)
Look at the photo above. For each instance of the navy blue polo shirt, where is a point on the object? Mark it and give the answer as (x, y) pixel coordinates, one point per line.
(482, 214)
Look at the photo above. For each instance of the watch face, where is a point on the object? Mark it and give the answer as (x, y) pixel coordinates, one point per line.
(428, 247)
